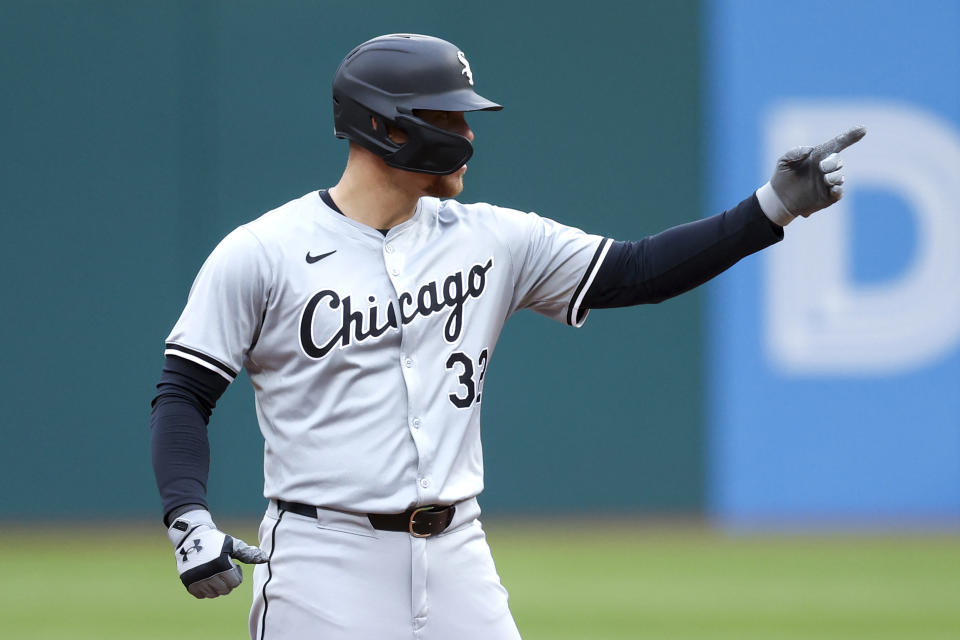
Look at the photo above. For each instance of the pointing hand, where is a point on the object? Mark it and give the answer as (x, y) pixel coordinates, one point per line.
(807, 179)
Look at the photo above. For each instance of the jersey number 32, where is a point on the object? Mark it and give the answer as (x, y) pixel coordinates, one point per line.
(472, 390)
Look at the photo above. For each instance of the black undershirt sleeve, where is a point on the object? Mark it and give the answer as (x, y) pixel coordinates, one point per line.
(186, 396)
(681, 258)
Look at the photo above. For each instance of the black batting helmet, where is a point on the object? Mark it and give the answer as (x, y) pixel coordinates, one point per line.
(387, 78)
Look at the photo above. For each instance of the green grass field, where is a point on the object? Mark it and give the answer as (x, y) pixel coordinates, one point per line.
(622, 581)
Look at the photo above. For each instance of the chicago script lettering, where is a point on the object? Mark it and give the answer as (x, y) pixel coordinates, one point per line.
(356, 326)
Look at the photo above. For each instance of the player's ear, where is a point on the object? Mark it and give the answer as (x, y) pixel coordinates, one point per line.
(394, 133)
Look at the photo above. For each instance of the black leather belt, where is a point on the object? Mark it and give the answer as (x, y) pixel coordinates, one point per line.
(420, 522)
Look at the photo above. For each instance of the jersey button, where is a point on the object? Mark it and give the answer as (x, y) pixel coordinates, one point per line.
(395, 271)
(408, 362)
(424, 483)
(416, 423)
(389, 248)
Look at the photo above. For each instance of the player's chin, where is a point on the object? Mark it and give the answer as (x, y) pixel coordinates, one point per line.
(449, 186)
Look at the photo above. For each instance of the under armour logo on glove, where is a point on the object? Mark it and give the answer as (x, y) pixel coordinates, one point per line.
(185, 551)
(210, 553)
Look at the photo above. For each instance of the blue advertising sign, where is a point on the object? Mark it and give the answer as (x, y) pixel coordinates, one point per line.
(834, 364)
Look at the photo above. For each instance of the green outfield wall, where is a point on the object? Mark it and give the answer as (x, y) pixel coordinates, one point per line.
(136, 134)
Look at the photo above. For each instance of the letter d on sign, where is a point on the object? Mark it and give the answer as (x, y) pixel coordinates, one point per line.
(818, 321)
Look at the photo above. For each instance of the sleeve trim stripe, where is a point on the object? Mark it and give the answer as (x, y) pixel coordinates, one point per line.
(202, 363)
(202, 359)
(573, 311)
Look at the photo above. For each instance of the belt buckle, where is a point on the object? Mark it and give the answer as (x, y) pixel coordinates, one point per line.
(413, 517)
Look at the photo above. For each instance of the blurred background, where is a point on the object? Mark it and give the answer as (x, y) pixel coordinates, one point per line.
(804, 405)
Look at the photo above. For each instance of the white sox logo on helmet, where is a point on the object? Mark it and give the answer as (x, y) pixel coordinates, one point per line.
(355, 326)
(466, 66)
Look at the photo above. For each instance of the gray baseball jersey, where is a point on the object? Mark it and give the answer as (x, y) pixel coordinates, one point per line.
(367, 352)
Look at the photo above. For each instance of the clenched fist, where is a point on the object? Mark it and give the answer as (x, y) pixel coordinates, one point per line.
(204, 555)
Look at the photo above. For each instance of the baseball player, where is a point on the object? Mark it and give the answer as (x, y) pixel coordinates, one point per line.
(366, 316)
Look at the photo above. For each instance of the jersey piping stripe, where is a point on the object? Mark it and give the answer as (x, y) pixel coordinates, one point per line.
(573, 311)
(263, 593)
(203, 363)
(200, 358)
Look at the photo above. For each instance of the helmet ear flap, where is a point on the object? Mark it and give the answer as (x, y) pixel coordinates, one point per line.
(383, 127)
(367, 128)
(429, 149)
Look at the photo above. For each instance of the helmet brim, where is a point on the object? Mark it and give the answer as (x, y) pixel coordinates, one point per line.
(459, 100)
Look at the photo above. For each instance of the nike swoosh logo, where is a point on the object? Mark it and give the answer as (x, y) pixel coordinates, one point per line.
(311, 259)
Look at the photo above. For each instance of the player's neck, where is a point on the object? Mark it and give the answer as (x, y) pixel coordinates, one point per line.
(375, 195)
